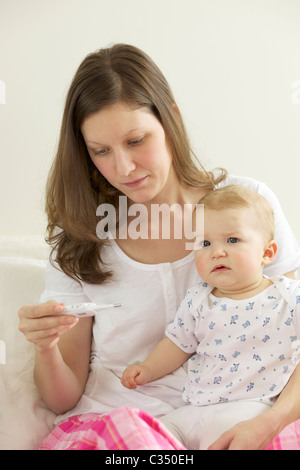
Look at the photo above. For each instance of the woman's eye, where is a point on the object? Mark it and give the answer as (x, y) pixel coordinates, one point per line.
(136, 141)
(100, 152)
(232, 240)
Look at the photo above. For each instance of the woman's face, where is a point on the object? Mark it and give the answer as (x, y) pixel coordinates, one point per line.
(129, 148)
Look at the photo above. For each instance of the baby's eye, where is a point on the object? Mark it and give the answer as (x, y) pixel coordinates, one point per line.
(205, 243)
(232, 240)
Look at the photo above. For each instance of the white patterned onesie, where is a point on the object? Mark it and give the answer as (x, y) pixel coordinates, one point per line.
(245, 350)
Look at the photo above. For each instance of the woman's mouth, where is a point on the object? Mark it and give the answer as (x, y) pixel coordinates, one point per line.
(135, 183)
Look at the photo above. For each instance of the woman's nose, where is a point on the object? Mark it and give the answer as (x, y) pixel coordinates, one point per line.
(124, 164)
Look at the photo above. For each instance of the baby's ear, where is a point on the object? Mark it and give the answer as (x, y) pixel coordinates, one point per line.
(269, 252)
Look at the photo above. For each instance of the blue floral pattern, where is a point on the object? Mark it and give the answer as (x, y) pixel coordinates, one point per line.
(243, 349)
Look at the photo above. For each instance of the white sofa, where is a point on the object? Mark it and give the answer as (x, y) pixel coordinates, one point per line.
(24, 419)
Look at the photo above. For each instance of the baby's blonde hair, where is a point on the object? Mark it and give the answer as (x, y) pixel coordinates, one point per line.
(238, 197)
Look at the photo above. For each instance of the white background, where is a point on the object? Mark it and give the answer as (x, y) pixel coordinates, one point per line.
(231, 64)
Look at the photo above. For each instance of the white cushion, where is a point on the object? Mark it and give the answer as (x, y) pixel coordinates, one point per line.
(24, 419)
(24, 246)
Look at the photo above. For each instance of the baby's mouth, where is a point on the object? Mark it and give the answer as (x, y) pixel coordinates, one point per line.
(220, 268)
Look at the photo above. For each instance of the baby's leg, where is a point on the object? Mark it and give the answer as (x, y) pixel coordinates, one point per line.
(197, 427)
(179, 422)
(223, 417)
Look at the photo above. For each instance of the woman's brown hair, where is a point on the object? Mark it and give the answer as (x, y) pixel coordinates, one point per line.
(75, 187)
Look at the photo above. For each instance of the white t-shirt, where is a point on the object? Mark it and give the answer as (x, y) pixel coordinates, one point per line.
(245, 349)
(150, 295)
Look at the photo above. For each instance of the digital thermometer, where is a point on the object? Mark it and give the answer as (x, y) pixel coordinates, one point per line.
(87, 309)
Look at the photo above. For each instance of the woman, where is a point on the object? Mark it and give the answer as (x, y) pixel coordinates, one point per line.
(122, 136)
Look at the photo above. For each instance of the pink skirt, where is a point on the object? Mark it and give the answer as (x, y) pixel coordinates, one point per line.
(122, 429)
(133, 429)
(288, 439)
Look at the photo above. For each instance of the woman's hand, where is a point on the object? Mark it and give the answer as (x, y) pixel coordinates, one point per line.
(252, 434)
(43, 325)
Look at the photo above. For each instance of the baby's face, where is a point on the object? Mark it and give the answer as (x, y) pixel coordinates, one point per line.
(231, 254)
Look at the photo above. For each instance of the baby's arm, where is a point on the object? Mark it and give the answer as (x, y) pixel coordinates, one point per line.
(165, 358)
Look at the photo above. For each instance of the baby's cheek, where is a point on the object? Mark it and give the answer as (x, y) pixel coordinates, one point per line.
(200, 262)
(246, 262)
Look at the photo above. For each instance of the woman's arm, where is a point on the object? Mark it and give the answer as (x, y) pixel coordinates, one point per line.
(62, 346)
(257, 433)
(287, 405)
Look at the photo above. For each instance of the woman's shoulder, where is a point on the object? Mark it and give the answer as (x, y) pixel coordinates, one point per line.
(242, 180)
(254, 184)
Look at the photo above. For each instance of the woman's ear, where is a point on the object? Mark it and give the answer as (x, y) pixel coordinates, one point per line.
(269, 252)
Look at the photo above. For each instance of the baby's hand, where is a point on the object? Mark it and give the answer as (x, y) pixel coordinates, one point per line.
(135, 375)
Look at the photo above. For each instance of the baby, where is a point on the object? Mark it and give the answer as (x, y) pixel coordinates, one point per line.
(237, 328)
